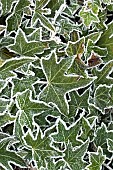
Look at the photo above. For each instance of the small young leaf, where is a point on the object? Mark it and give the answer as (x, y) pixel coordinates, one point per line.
(25, 48)
(74, 157)
(101, 97)
(67, 135)
(78, 102)
(96, 160)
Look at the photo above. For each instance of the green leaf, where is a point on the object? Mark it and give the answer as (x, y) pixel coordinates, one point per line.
(67, 135)
(78, 102)
(10, 65)
(2, 85)
(7, 156)
(92, 48)
(74, 157)
(103, 74)
(6, 119)
(6, 54)
(101, 97)
(55, 165)
(88, 17)
(3, 104)
(102, 134)
(35, 35)
(78, 67)
(93, 111)
(58, 83)
(41, 149)
(54, 5)
(42, 120)
(87, 131)
(38, 14)
(108, 2)
(18, 130)
(29, 108)
(106, 41)
(6, 6)
(96, 160)
(75, 48)
(5, 41)
(3, 135)
(22, 84)
(44, 21)
(111, 96)
(15, 19)
(110, 145)
(25, 48)
(66, 27)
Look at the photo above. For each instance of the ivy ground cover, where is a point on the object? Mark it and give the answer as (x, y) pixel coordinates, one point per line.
(56, 85)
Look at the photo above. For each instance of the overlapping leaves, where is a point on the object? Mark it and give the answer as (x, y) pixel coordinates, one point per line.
(56, 84)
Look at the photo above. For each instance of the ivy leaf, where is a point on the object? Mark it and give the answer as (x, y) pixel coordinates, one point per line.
(110, 144)
(3, 135)
(74, 157)
(96, 160)
(6, 119)
(103, 74)
(78, 67)
(102, 134)
(25, 48)
(101, 97)
(35, 35)
(6, 6)
(67, 27)
(106, 41)
(92, 48)
(20, 85)
(78, 102)
(65, 134)
(5, 41)
(107, 2)
(86, 129)
(29, 108)
(42, 120)
(6, 156)
(88, 17)
(3, 104)
(2, 85)
(58, 83)
(111, 96)
(55, 165)
(14, 20)
(18, 130)
(44, 21)
(55, 5)
(38, 14)
(75, 48)
(41, 149)
(10, 65)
